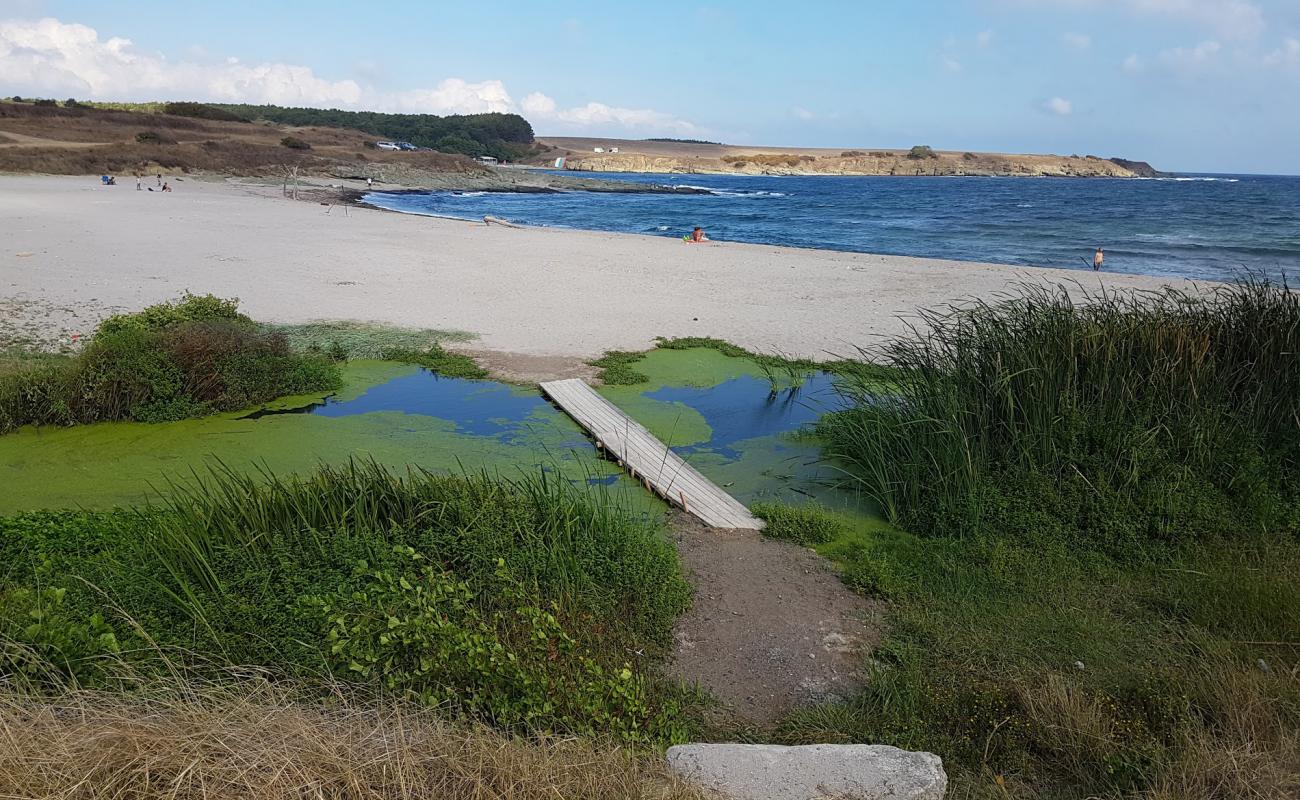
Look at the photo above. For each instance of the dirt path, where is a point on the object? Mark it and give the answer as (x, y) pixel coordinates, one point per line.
(773, 629)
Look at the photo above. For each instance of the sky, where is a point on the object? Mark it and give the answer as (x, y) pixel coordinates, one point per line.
(1189, 85)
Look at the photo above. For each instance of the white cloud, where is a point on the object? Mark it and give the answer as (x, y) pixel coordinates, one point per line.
(952, 64)
(1229, 18)
(1059, 106)
(538, 103)
(802, 113)
(1287, 55)
(1133, 64)
(50, 57)
(452, 95)
(599, 115)
(984, 38)
(1188, 59)
(1079, 41)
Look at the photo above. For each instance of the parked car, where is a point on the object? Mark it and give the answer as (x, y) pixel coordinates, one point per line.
(387, 146)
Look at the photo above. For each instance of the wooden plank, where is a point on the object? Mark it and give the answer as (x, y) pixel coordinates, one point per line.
(647, 458)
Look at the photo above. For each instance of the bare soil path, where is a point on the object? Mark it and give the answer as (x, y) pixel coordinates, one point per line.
(773, 629)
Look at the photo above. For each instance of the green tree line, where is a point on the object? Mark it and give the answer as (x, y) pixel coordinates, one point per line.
(504, 136)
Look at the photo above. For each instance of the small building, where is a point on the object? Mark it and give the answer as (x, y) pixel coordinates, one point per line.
(597, 149)
(486, 160)
(613, 149)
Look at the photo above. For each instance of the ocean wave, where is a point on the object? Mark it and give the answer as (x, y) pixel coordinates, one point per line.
(1191, 179)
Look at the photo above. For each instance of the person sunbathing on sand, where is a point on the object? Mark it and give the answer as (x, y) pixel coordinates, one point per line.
(696, 236)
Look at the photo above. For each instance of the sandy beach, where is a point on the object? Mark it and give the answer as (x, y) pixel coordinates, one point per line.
(74, 251)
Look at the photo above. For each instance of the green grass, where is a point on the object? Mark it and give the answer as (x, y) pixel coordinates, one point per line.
(808, 524)
(1045, 670)
(443, 362)
(526, 603)
(1101, 600)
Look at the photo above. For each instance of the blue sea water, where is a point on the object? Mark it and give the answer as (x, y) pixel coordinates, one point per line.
(1202, 227)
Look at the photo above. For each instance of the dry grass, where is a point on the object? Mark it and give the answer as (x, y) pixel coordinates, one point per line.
(1249, 746)
(86, 141)
(767, 160)
(1245, 744)
(253, 740)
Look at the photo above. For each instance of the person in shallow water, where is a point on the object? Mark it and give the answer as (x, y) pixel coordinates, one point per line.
(696, 236)
(1098, 259)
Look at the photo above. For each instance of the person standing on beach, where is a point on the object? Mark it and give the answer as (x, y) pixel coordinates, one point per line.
(1098, 259)
(370, 182)
(138, 184)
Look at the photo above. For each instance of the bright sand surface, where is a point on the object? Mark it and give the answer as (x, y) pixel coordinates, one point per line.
(72, 251)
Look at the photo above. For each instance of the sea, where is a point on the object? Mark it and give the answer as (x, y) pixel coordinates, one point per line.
(1203, 227)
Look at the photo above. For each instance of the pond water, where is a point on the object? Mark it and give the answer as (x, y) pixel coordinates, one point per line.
(718, 412)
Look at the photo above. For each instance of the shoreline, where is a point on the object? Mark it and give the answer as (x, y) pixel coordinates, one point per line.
(548, 298)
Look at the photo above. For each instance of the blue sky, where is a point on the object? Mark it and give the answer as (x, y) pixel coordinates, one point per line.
(1194, 85)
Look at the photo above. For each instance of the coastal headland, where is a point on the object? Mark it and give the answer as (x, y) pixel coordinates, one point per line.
(625, 155)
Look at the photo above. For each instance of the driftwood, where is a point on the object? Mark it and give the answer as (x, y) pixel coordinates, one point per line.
(499, 221)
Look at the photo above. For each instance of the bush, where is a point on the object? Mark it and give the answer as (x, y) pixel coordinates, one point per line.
(294, 143)
(922, 151)
(153, 137)
(190, 308)
(168, 362)
(202, 111)
(418, 630)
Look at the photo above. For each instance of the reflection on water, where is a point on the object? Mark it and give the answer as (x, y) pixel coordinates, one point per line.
(745, 408)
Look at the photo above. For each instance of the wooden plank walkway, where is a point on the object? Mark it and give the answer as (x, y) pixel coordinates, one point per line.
(647, 458)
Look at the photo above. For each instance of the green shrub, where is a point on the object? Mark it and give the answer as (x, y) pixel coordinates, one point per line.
(190, 308)
(42, 640)
(419, 631)
(921, 152)
(294, 143)
(153, 137)
(806, 524)
(202, 111)
(170, 361)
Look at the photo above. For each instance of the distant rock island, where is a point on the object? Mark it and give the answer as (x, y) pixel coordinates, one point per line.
(625, 155)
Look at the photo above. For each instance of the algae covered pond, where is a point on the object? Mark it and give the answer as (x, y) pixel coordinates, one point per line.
(719, 412)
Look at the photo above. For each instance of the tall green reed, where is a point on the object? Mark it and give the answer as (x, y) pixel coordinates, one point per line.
(1087, 404)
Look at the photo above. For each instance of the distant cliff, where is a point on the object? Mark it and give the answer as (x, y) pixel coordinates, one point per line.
(712, 159)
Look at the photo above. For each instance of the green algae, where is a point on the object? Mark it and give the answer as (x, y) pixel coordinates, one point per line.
(676, 424)
(98, 466)
(109, 464)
